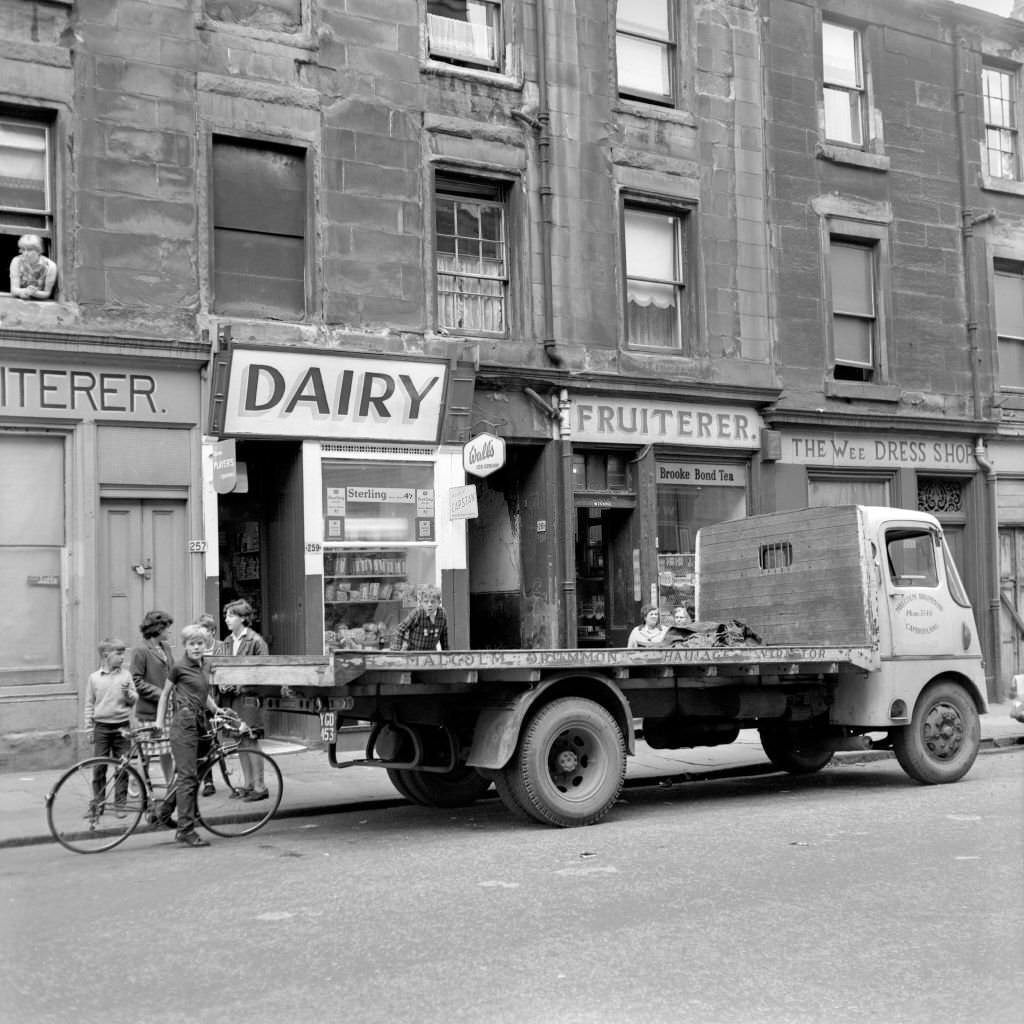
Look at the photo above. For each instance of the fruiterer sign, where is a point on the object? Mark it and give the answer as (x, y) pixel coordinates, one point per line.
(484, 454)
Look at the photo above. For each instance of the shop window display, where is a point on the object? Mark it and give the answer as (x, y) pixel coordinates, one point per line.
(379, 548)
(682, 510)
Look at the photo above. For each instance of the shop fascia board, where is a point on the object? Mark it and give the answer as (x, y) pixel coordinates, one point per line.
(43, 345)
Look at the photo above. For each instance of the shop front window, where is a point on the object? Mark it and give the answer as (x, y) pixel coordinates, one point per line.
(691, 496)
(379, 548)
(842, 490)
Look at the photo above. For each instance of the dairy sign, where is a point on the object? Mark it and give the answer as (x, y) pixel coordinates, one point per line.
(303, 393)
(484, 454)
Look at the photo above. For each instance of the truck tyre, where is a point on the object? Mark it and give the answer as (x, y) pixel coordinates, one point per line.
(570, 763)
(458, 788)
(504, 785)
(796, 751)
(398, 780)
(942, 740)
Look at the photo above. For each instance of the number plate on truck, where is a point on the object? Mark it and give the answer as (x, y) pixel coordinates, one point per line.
(328, 726)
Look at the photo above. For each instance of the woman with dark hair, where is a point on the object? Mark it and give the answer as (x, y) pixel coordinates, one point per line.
(149, 666)
(243, 641)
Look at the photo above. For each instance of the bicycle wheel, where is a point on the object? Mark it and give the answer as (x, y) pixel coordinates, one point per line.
(85, 819)
(226, 812)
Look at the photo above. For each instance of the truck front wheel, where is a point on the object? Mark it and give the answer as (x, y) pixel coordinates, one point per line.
(793, 750)
(570, 763)
(942, 740)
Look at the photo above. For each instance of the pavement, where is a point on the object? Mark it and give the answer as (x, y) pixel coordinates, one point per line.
(312, 786)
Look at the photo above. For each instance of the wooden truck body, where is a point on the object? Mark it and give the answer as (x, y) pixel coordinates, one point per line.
(864, 637)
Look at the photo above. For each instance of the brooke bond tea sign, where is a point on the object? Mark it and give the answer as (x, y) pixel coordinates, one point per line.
(484, 454)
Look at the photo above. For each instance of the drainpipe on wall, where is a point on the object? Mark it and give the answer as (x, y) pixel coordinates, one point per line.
(992, 675)
(567, 568)
(544, 158)
(960, 53)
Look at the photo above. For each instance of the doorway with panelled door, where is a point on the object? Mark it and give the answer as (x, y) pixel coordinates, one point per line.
(143, 565)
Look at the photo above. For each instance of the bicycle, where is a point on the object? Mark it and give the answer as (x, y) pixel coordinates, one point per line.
(99, 802)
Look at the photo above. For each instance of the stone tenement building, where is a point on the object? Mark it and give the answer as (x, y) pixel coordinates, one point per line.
(664, 263)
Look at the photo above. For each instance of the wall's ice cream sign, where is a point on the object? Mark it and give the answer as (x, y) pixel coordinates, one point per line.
(308, 394)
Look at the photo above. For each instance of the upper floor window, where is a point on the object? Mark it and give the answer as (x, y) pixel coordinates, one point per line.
(843, 83)
(1009, 288)
(645, 50)
(466, 32)
(260, 213)
(657, 296)
(852, 264)
(26, 188)
(471, 255)
(1002, 152)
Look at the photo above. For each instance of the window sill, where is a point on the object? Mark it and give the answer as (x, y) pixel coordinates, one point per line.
(1010, 400)
(853, 157)
(654, 112)
(1013, 188)
(442, 69)
(862, 391)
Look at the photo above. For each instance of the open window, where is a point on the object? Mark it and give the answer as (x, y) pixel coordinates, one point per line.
(466, 32)
(26, 186)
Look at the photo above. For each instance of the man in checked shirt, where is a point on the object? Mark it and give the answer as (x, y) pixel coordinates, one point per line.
(425, 628)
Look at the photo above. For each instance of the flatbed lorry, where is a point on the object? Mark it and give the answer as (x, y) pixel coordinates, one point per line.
(853, 628)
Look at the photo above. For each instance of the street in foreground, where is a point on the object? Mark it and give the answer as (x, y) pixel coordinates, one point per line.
(849, 895)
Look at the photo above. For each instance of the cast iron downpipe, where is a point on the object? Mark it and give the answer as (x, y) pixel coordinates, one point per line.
(567, 620)
(544, 159)
(993, 679)
(967, 221)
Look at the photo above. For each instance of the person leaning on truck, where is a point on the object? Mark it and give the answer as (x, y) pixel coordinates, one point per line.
(425, 628)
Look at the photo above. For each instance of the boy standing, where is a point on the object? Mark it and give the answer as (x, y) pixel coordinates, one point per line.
(426, 628)
(109, 696)
(189, 684)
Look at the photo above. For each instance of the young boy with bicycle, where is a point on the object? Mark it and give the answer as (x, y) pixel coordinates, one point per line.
(188, 684)
(109, 696)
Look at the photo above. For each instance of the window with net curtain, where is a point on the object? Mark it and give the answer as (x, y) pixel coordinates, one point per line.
(465, 31)
(848, 490)
(644, 49)
(471, 258)
(655, 278)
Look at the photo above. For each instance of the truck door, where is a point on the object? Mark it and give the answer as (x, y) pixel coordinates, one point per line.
(924, 619)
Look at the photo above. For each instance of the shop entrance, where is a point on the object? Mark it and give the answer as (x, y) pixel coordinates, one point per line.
(605, 599)
(260, 538)
(143, 565)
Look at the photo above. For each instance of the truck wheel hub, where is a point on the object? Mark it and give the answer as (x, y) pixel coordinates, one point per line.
(566, 761)
(943, 731)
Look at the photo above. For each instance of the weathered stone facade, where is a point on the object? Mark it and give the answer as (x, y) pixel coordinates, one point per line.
(137, 94)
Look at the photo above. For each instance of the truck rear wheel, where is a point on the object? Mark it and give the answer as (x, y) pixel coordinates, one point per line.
(570, 763)
(458, 788)
(942, 740)
(793, 750)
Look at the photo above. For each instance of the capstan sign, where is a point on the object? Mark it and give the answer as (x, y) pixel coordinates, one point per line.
(484, 454)
(300, 393)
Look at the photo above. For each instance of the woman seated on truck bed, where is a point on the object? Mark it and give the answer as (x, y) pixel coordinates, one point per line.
(650, 632)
